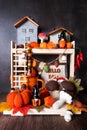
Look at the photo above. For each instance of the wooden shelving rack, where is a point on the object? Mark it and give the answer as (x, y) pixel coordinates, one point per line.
(17, 52)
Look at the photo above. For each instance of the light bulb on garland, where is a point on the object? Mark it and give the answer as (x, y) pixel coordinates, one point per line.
(56, 63)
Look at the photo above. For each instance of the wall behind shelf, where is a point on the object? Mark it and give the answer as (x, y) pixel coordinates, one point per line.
(49, 14)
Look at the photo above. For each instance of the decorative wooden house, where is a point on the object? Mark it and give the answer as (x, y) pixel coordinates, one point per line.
(27, 30)
(55, 34)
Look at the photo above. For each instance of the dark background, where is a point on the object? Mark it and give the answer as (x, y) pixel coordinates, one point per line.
(49, 14)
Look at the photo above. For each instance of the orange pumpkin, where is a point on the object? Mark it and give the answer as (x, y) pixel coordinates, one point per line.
(18, 98)
(62, 43)
(26, 96)
(10, 98)
(43, 45)
(69, 45)
(32, 45)
(51, 45)
(48, 101)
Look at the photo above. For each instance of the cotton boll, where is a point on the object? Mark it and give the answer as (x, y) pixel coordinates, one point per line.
(68, 116)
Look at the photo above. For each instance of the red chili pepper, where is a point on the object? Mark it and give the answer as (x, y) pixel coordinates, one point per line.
(78, 60)
(81, 56)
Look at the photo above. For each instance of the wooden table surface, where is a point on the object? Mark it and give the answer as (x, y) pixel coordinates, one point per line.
(41, 122)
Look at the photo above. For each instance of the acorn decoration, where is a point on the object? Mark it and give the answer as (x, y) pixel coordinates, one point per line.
(29, 60)
(31, 63)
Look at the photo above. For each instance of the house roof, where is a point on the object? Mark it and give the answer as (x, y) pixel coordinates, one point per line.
(24, 19)
(60, 29)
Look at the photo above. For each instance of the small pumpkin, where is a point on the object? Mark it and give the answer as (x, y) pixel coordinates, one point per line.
(10, 98)
(62, 43)
(18, 98)
(43, 45)
(51, 45)
(48, 101)
(32, 44)
(69, 45)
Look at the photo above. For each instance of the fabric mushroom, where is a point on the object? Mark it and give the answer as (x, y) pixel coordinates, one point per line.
(53, 88)
(42, 36)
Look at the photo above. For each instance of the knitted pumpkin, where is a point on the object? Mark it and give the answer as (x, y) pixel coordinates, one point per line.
(32, 45)
(51, 45)
(43, 45)
(69, 45)
(48, 101)
(26, 94)
(10, 98)
(62, 43)
(18, 98)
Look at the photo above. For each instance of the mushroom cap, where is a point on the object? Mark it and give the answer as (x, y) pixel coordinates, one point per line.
(69, 86)
(42, 35)
(52, 85)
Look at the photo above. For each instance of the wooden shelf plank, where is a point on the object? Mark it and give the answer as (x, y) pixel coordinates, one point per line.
(52, 51)
(46, 51)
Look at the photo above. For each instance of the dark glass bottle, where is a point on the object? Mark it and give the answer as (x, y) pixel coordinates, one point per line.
(36, 98)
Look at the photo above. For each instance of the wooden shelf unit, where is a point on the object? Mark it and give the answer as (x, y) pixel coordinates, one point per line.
(17, 52)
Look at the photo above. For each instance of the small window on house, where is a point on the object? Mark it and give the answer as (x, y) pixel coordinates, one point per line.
(31, 30)
(27, 39)
(23, 30)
